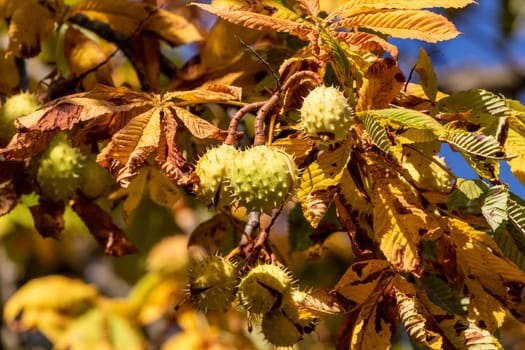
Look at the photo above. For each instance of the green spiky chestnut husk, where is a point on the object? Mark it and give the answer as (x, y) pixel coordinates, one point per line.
(16, 106)
(95, 180)
(279, 329)
(212, 170)
(58, 170)
(212, 283)
(326, 116)
(263, 288)
(263, 178)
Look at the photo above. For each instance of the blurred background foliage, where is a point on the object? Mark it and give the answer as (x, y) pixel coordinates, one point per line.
(143, 289)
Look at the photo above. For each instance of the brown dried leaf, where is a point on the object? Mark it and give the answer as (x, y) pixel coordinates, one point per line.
(207, 93)
(49, 218)
(8, 197)
(110, 237)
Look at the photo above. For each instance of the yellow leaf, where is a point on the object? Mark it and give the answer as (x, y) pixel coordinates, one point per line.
(198, 127)
(414, 316)
(361, 279)
(9, 76)
(461, 333)
(400, 223)
(207, 93)
(97, 329)
(172, 27)
(406, 24)
(29, 24)
(424, 165)
(361, 41)
(161, 190)
(382, 82)
(374, 324)
(515, 144)
(295, 144)
(483, 307)
(356, 6)
(121, 15)
(47, 294)
(135, 191)
(320, 179)
(264, 19)
(479, 256)
(83, 54)
(169, 256)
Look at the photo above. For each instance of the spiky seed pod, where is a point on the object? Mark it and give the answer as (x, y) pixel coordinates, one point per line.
(212, 170)
(58, 170)
(264, 287)
(15, 107)
(279, 329)
(95, 180)
(212, 283)
(263, 178)
(326, 116)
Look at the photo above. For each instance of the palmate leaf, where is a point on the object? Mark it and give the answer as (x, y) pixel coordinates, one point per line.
(140, 123)
(475, 144)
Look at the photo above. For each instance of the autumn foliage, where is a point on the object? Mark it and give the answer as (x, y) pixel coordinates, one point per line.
(141, 93)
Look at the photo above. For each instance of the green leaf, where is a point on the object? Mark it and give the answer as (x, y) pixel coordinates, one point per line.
(427, 75)
(377, 132)
(466, 196)
(475, 144)
(484, 108)
(510, 248)
(494, 207)
(439, 289)
(516, 213)
(408, 118)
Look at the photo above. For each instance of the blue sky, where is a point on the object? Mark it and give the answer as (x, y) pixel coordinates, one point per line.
(480, 44)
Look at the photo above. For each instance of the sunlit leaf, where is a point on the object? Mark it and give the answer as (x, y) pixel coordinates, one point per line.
(406, 24)
(362, 41)
(515, 144)
(475, 144)
(479, 256)
(483, 307)
(494, 207)
(376, 132)
(173, 28)
(272, 17)
(427, 75)
(408, 118)
(414, 316)
(320, 178)
(382, 82)
(400, 223)
(361, 279)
